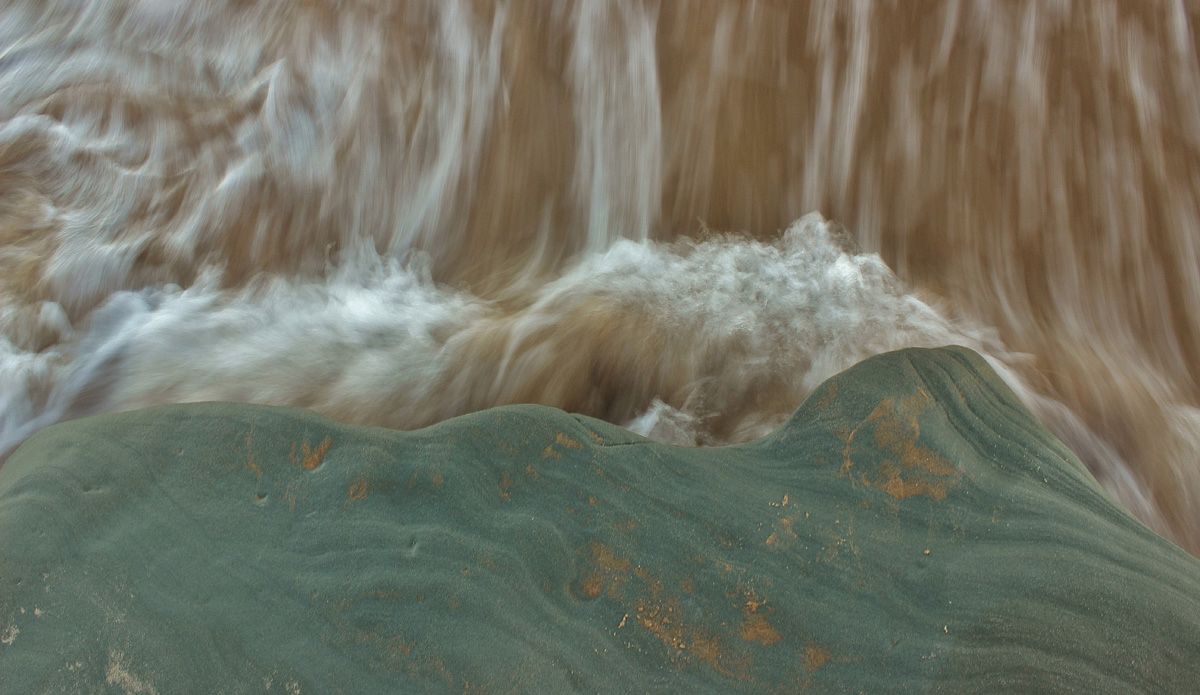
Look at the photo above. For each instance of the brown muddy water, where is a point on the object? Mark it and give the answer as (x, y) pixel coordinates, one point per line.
(679, 216)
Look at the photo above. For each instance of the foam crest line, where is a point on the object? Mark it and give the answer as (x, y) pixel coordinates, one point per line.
(734, 332)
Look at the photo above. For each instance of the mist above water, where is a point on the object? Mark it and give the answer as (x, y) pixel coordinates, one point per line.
(395, 213)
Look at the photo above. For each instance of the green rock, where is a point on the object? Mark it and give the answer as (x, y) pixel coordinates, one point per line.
(912, 528)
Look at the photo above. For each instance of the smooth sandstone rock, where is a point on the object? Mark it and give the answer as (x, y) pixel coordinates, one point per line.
(911, 529)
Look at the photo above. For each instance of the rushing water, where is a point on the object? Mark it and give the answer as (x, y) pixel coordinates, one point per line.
(394, 212)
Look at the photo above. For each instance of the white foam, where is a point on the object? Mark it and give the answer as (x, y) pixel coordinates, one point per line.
(377, 342)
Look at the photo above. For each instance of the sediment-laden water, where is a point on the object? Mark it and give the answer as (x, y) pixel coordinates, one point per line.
(397, 212)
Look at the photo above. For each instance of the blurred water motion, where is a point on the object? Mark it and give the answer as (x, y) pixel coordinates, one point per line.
(394, 213)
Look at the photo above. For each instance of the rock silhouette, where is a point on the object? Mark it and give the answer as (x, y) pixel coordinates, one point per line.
(912, 528)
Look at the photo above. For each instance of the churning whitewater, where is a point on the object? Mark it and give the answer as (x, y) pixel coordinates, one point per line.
(396, 213)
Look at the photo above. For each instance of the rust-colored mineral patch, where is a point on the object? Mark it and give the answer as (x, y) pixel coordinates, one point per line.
(251, 464)
(661, 613)
(566, 441)
(815, 656)
(593, 586)
(310, 458)
(290, 495)
(359, 489)
(609, 572)
(604, 558)
(756, 628)
(782, 534)
(664, 619)
(755, 625)
(506, 484)
(908, 468)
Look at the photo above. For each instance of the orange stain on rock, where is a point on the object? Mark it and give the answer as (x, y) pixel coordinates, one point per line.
(251, 464)
(815, 656)
(311, 458)
(593, 586)
(908, 469)
(567, 441)
(782, 535)
(604, 558)
(755, 626)
(663, 616)
(359, 489)
(506, 484)
(656, 610)
(289, 494)
(609, 572)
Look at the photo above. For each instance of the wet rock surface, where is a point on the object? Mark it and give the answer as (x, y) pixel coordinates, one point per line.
(912, 528)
